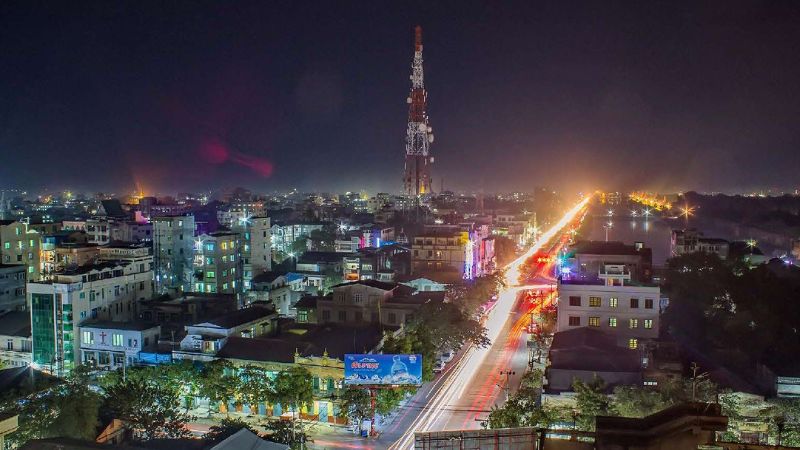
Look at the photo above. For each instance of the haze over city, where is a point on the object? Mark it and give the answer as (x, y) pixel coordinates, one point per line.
(188, 95)
(399, 225)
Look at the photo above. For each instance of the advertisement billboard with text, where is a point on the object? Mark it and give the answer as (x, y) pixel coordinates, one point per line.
(383, 370)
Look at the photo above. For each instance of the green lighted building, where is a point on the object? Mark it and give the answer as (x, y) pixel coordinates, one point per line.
(105, 291)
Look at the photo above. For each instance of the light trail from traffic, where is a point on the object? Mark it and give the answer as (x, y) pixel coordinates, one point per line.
(466, 368)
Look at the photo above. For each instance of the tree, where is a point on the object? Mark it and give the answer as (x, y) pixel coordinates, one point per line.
(218, 382)
(635, 401)
(505, 250)
(285, 433)
(152, 410)
(591, 402)
(226, 428)
(255, 385)
(299, 246)
(322, 240)
(356, 405)
(69, 409)
(293, 387)
(388, 399)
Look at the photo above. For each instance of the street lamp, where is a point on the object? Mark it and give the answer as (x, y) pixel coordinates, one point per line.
(608, 225)
(508, 374)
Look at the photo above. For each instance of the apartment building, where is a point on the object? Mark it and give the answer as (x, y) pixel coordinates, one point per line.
(218, 264)
(12, 287)
(629, 312)
(173, 253)
(21, 245)
(59, 306)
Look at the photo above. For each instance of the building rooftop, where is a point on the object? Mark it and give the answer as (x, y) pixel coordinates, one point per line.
(608, 248)
(585, 349)
(378, 285)
(309, 301)
(16, 323)
(267, 277)
(326, 257)
(109, 325)
(305, 339)
(241, 316)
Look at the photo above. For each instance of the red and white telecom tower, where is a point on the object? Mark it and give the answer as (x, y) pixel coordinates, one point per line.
(419, 135)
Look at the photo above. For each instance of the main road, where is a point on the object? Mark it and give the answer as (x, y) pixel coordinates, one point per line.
(464, 393)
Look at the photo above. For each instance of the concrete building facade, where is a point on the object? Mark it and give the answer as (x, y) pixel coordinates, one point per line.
(173, 252)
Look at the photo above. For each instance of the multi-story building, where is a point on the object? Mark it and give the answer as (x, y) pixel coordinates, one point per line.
(256, 247)
(173, 253)
(15, 339)
(98, 231)
(281, 290)
(450, 253)
(218, 263)
(692, 240)
(611, 303)
(240, 211)
(114, 345)
(285, 233)
(386, 263)
(59, 306)
(12, 287)
(375, 302)
(130, 231)
(70, 255)
(20, 245)
(588, 259)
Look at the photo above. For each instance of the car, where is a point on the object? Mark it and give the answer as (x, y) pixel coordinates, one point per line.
(446, 356)
(438, 367)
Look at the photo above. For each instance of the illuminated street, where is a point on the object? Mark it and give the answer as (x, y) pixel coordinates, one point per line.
(461, 396)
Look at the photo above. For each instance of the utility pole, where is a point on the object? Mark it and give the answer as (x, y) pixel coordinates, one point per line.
(508, 374)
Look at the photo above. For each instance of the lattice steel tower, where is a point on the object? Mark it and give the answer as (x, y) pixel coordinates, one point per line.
(419, 135)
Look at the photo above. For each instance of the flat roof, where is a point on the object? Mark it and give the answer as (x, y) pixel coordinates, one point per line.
(110, 325)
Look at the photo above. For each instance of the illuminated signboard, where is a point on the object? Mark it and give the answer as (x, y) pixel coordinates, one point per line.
(383, 370)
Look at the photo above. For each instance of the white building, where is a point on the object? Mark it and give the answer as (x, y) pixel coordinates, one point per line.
(284, 234)
(112, 345)
(628, 312)
(15, 339)
(60, 305)
(256, 248)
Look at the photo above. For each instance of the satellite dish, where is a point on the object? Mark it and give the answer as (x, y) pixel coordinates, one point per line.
(430, 138)
(408, 100)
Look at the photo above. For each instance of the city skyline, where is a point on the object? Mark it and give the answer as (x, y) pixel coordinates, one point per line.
(208, 96)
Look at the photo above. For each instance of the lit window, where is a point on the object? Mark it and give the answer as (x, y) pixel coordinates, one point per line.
(613, 302)
(210, 274)
(594, 302)
(88, 337)
(648, 323)
(224, 245)
(224, 286)
(210, 246)
(633, 344)
(612, 322)
(633, 323)
(32, 243)
(594, 321)
(116, 340)
(7, 245)
(651, 383)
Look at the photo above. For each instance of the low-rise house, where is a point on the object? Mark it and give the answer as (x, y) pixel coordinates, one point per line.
(113, 345)
(15, 339)
(584, 353)
(203, 340)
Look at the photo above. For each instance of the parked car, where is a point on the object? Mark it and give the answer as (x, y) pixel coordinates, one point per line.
(446, 356)
(438, 367)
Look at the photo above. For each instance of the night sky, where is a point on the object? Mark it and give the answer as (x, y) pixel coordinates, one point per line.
(175, 96)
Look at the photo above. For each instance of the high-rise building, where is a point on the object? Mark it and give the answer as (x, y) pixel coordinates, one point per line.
(21, 245)
(218, 263)
(419, 134)
(107, 290)
(256, 247)
(173, 252)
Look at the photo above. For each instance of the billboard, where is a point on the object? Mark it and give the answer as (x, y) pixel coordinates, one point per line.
(382, 370)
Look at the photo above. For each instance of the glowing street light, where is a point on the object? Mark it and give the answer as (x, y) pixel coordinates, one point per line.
(607, 227)
(610, 212)
(751, 243)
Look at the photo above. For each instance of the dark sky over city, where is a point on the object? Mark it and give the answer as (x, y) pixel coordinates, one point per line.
(183, 96)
